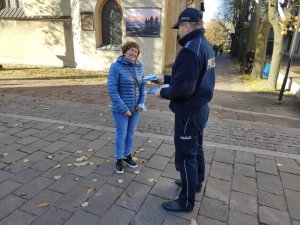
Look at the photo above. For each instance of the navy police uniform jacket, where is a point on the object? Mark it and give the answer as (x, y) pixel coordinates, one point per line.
(193, 77)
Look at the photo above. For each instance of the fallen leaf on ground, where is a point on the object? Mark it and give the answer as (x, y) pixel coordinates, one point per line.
(226, 203)
(43, 204)
(134, 158)
(81, 164)
(137, 172)
(83, 158)
(60, 127)
(56, 166)
(23, 193)
(90, 150)
(49, 156)
(120, 181)
(85, 204)
(151, 180)
(277, 193)
(57, 177)
(108, 161)
(278, 164)
(141, 149)
(193, 222)
(26, 160)
(142, 161)
(90, 190)
(129, 194)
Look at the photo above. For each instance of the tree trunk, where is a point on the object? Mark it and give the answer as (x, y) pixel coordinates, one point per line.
(261, 46)
(254, 25)
(244, 31)
(277, 46)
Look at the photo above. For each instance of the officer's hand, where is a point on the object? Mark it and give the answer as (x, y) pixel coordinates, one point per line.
(157, 93)
(159, 80)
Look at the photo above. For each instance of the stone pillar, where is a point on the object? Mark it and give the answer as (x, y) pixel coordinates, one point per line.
(194, 3)
(171, 47)
(76, 28)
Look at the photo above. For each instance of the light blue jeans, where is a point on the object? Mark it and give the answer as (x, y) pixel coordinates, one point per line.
(125, 127)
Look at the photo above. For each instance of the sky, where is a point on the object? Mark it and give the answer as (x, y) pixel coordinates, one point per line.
(140, 14)
(211, 7)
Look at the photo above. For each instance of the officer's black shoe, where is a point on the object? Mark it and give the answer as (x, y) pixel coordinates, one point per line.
(175, 207)
(179, 183)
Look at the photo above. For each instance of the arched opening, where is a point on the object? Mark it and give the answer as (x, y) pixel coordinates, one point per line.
(109, 25)
(2, 4)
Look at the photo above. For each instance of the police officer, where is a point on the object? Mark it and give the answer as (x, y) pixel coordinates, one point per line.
(191, 87)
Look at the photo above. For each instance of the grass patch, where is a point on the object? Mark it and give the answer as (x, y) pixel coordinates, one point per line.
(10, 72)
(260, 85)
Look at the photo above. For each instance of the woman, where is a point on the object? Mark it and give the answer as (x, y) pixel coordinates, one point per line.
(126, 90)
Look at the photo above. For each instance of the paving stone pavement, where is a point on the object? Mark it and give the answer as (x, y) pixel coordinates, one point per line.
(57, 166)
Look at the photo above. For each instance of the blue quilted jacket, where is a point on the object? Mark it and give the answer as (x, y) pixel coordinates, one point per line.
(126, 87)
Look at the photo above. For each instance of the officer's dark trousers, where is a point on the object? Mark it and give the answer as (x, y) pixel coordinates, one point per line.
(189, 156)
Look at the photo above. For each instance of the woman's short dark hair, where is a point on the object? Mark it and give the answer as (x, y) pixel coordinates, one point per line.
(130, 44)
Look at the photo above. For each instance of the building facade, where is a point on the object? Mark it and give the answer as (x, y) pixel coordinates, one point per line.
(88, 34)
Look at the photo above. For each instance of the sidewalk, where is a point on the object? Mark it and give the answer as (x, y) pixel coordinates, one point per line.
(57, 165)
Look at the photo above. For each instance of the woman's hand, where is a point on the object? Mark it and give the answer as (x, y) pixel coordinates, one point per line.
(128, 113)
(138, 108)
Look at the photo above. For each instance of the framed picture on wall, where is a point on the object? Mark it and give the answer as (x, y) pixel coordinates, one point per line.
(143, 22)
(87, 21)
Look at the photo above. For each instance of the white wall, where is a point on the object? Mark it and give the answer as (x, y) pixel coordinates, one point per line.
(151, 48)
(35, 42)
(58, 43)
(47, 7)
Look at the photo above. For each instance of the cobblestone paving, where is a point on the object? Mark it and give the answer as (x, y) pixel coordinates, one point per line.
(57, 167)
(239, 133)
(41, 178)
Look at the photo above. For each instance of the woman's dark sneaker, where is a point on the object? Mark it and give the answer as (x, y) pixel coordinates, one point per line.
(129, 161)
(119, 166)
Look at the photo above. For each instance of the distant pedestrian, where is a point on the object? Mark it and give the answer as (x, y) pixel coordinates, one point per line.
(216, 49)
(221, 50)
(126, 90)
